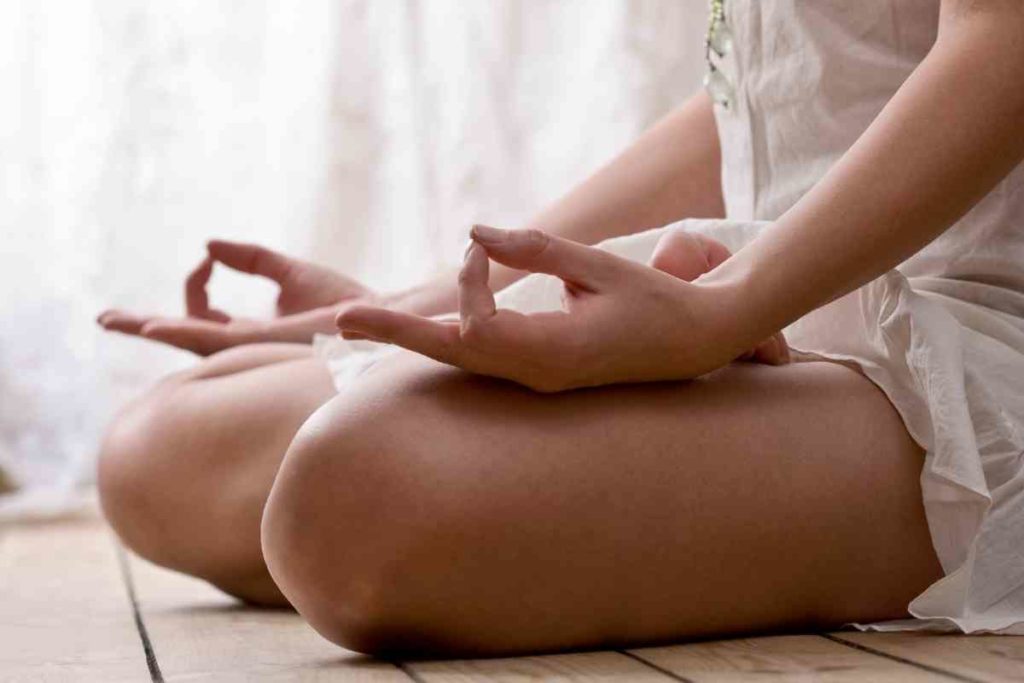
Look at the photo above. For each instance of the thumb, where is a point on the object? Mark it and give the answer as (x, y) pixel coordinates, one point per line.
(538, 252)
(201, 337)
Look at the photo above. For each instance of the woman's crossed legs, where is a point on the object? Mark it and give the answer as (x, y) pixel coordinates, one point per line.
(432, 511)
(185, 471)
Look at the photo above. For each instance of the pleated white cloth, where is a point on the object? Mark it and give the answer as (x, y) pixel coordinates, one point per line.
(942, 335)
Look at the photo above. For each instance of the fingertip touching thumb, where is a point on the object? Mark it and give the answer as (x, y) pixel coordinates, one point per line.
(488, 236)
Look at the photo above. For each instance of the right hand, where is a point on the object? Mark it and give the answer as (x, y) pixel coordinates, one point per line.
(620, 321)
(310, 298)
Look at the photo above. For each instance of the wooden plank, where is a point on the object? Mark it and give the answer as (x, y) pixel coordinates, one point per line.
(198, 633)
(980, 657)
(780, 658)
(583, 666)
(64, 614)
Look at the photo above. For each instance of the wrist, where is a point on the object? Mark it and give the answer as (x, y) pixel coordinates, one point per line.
(740, 309)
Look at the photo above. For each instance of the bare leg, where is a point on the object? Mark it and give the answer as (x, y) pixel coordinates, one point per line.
(435, 512)
(185, 471)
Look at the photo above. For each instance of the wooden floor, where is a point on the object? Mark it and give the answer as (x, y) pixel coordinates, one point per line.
(75, 607)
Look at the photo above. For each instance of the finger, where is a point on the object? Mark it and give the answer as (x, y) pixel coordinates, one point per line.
(539, 252)
(772, 351)
(476, 301)
(197, 303)
(250, 258)
(784, 355)
(356, 336)
(438, 340)
(122, 321)
(715, 252)
(202, 337)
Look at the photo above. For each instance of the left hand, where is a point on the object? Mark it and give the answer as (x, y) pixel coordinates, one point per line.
(309, 298)
(622, 321)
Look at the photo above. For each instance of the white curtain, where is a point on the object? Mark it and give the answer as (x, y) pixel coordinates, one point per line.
(366, 134)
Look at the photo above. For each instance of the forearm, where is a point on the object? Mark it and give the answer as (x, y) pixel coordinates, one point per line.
(671, 172)
(952, 131)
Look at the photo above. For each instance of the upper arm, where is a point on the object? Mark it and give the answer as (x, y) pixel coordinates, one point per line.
(1001, 20)
(984, 41)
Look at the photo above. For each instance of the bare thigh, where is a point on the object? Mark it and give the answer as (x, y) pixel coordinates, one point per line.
(431, 511)
(185, 470)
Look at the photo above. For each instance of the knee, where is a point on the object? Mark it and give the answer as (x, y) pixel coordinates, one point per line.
(358, 525)
(130, 476)
(126, 482)
(145, 465)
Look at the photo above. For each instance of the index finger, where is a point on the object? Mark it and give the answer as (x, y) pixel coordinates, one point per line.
(538, 252)
(250, 258)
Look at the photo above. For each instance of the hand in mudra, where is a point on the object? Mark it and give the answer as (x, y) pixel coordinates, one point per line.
(621, 321)
(310, 297)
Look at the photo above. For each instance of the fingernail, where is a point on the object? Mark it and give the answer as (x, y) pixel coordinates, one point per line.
(488, 235)
(469, 245)
(343, 322)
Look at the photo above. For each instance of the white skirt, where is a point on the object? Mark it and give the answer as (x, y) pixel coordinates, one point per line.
(955, 373)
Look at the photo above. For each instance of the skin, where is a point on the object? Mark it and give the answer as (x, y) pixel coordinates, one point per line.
(671, 172)
(939, 162)
(437, 511)
(185, 470)
(231, 418)
(592, 342)
(608, 517)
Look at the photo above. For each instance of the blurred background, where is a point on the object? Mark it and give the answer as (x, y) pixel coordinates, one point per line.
(364, 134)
